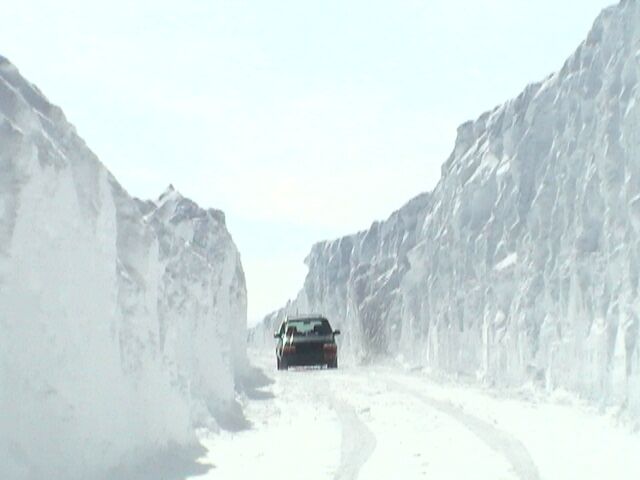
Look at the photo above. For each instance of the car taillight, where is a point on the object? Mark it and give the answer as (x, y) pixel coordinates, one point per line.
(330, 347)
(289, 349)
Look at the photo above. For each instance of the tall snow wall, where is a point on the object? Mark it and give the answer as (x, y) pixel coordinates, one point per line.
(522, 266)
(104, 312)
(355, 281)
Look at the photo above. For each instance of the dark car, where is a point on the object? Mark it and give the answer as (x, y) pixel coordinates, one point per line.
(306, 341)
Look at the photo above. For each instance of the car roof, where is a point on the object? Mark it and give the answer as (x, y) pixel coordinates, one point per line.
(300, 318)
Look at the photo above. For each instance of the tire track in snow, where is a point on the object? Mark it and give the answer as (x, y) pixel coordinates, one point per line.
(357, 441)
(357, 444)
(498, 440)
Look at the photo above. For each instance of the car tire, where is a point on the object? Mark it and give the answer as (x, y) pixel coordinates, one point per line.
(282, 364)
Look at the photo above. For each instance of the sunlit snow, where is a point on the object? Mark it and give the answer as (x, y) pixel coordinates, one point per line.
(118, 333)
(522, 264)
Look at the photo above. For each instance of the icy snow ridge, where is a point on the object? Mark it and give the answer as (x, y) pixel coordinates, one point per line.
(101, 331)
(523, 264)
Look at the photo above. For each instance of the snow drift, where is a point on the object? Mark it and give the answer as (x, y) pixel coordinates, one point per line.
(522, 264)
(104, 313)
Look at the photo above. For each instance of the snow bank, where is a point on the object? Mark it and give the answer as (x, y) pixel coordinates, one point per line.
(93, 369)
(355, 282)
(523, 264)
(202, 280)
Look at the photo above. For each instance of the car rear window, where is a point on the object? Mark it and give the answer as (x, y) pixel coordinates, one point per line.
(308, 327)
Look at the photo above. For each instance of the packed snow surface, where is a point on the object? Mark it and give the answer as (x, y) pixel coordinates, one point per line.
(122, 323)
(383, 422)
(522, 265)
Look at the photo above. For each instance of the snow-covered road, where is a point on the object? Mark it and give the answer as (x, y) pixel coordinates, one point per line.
(379, 421)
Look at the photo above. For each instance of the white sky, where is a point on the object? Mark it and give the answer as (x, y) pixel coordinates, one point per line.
(301, 119)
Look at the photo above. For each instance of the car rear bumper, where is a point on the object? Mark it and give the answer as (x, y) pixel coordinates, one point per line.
(308, 359)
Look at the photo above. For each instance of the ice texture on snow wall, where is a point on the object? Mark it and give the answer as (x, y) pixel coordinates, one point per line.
(526, 258)
(202, 279)
(87, 380)
(355, 281)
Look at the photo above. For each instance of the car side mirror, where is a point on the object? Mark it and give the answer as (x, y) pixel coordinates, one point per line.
(336, 332)
(276, 335)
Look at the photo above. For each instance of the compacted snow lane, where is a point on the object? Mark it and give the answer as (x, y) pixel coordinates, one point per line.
(378, 421)
(500, 441)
